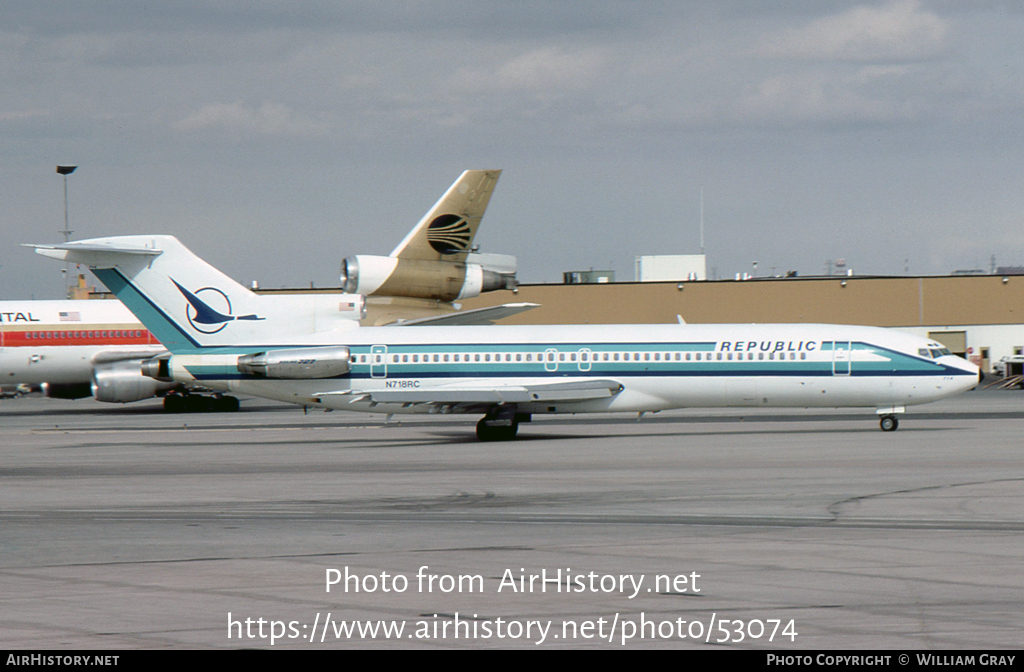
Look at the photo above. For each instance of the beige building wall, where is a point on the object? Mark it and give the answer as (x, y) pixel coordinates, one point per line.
(886, 302)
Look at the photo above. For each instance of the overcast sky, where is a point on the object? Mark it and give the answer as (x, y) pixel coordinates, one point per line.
(276, 138)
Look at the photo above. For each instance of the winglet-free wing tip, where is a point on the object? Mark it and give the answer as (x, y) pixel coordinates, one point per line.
(47, 251)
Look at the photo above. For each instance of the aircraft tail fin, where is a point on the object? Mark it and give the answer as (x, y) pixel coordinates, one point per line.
(188, 304)
(447, 230)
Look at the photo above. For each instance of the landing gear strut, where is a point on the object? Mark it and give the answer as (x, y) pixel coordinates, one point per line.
(888, 423)
(500, 424)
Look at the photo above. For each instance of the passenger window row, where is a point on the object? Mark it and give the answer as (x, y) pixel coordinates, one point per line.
(44, 335)
(574, 357)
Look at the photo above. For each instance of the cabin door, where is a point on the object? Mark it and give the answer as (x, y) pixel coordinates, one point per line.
(841, 358)
(379, 361)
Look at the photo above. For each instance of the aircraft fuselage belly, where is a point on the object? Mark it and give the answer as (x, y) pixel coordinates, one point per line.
(641, 394)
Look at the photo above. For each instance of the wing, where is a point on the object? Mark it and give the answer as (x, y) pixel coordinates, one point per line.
(485, 316)
(488, 392)
(121, 354)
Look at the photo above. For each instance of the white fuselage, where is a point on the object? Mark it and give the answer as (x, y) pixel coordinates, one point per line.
(223, 335)
(657, 366)
(60, 342)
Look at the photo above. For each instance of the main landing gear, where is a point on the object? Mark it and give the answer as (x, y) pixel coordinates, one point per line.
(198, 403)
(500, 424)
(888, 423)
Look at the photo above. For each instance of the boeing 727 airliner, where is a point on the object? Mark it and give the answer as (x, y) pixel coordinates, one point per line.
(293, 350)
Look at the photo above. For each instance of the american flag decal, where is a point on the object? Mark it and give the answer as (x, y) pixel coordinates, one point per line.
(70, 317)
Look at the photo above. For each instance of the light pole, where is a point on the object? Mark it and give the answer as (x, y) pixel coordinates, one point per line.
(65, 171)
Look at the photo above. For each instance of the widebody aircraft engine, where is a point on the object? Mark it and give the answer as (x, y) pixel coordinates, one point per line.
(123, 382)
(426, 278)
(66, 390)
(297, 364)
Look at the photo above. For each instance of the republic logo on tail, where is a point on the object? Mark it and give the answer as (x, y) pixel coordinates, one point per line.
(203, 314)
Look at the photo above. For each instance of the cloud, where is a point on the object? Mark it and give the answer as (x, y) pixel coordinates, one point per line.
(549, 68)
(19, 115)
(871, 93)
(545, 69)
(898, 31)
(268, 119)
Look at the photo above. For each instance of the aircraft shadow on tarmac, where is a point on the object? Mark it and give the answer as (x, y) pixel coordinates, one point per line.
(453, 437)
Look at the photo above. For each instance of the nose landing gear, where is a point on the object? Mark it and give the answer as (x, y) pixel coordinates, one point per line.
(888, 423)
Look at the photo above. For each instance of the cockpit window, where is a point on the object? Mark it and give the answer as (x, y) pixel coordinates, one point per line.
(945, 351)
(923, 352)
(936, 353)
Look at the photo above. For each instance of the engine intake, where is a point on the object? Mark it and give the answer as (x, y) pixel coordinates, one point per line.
(158, 368)
(66, 390)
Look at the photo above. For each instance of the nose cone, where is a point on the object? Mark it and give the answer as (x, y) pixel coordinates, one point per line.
(972, 375)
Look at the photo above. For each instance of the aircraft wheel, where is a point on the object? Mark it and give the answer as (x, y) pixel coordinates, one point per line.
(226, 404)
(489, 432)
(197, 403)
(888, 423)
(174, 403)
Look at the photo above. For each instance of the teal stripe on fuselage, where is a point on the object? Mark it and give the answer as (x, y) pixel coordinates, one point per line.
(898, 364)
(174, 337)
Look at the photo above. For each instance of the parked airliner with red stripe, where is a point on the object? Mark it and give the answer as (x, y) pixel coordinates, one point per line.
(74, 349)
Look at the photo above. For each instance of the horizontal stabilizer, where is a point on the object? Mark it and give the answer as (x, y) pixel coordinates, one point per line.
(477, 316)
(97, 256)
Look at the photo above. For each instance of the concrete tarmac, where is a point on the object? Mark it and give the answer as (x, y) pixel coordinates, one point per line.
(122, 527)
